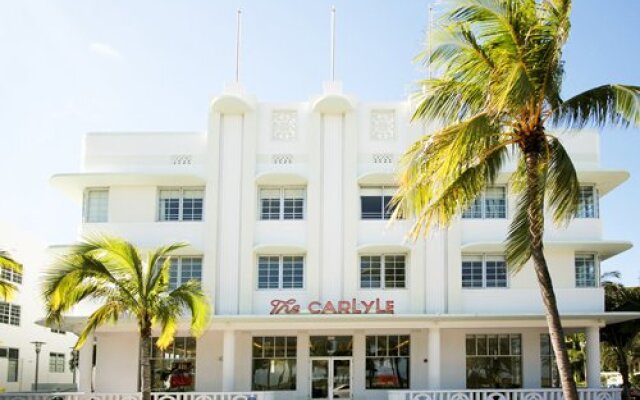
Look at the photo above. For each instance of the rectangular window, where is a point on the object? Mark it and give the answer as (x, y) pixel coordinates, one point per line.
(180, 204)
(586, 270)
(282, 203)
(494, 361)
(386, 271)
(587, 203)
(9, 275)
(549, 377)
(490, 204)
(56, 362)
(484, 271)
(96, 205)
(9, 314)
(184, 269)
(280, 272)
(174, 369)
(374, 202)
(58, 331)
(387, 362)
(13, 355)
(274, 363)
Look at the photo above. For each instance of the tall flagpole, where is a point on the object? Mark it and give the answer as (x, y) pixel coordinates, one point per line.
(238, 27)
(333, 43)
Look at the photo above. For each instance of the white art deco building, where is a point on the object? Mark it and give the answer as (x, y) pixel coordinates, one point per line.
(315, 294)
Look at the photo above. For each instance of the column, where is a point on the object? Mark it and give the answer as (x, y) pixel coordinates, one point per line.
(228, 361)
(332, 204)
(229, 213)
(433, 358)
(85, 367)
(593, 357)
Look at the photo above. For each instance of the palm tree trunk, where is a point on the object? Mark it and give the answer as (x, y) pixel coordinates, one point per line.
(623, 365)
(145, 343)
(535, 211)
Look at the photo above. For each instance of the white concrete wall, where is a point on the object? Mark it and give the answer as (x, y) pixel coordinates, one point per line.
(118, 354)
(32, 253)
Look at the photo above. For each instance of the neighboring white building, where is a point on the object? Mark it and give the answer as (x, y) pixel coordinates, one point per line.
(18, 327)
(283, 205)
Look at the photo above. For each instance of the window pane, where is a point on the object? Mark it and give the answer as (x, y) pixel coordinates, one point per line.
(388, 208)
(169, 208)
(292, 346)
(333, 346)
(394, 271)
(293, 204)
(471, 272)
(474, 210)
(387, 373)
(192, 204)
(587, 204)
(370, 272)
(495, 202)
(585, 270)
(97, 205)
(493, 370)
(496, 272)
(258, 346)
(174, 278)
(268, 272)
(174, 369)
(292, 272)
(371, 207)
(274, 374)
(387, 362)
(269, 204)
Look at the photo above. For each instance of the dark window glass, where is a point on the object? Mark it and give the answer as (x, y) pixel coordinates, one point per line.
(371, 207)
(331, 346)
(387, 362)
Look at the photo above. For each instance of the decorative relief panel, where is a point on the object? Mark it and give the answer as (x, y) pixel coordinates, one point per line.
(181, 159)
(383, 124)
(383, 158)
(284, 125)
(282, 159)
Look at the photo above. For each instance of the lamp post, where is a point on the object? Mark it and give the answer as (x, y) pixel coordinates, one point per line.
(38, 346)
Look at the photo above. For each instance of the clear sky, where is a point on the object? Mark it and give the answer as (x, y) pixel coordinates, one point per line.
(71, 67)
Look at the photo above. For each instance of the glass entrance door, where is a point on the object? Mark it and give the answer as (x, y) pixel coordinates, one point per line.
(331, 378)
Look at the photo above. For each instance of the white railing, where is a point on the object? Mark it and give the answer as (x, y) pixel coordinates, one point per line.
(138, 396)
(503, 394)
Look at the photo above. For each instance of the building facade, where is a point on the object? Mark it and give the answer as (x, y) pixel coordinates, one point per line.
(315, 293)
(18, 328)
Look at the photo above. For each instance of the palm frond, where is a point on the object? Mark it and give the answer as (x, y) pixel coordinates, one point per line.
(118, 255)
(6, 261)
(562, 185)
(190, 296)
(518, 243)
(7, 290)
(158, 272)
(617, 105)
(438, 203)
(108, 312)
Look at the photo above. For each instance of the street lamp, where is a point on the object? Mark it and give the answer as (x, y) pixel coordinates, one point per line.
(38, 346)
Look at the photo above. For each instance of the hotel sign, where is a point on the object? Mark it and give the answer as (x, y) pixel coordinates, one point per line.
(353, 306)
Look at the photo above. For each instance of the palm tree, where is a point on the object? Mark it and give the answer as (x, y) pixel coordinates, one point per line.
(498, 92)
(621, 340)
(8, 289)
(112, 271)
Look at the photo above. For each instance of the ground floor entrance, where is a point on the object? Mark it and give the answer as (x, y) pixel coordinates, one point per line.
(331, 378)
(346, 360)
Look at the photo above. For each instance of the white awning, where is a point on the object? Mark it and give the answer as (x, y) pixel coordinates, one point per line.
(604, 248)
(73, 184)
